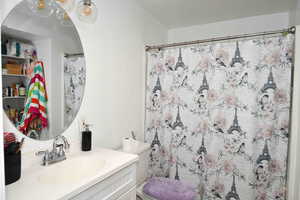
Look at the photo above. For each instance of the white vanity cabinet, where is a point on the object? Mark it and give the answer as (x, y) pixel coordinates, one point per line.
(101, 174)
(119, 186)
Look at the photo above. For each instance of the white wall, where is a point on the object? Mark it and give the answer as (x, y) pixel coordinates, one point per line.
(295, 13)
(294, 161)
(114, 48)
(232, 27)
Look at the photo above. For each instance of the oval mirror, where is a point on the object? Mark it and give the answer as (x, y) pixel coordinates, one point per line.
(43, 69)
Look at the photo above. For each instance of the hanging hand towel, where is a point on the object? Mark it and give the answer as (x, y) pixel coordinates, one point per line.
(36, 103)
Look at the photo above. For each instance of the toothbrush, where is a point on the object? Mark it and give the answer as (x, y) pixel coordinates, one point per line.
(20, 145)
(133, 135)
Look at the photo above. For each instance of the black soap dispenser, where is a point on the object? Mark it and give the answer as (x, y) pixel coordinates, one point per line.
(86, 143)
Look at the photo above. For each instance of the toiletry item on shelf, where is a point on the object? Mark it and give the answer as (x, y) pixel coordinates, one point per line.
(5, 92)
(10, 91)
(14, 115)
(12, 158)
(18, 49)
(22, 90)
(13, 68)
(24, 68)
(4, 48)
(12, 48)
(86, 143)
(27, 50)
(17, 89)
(34, 55)
(13, 87)
(4, 71)
(7, 47)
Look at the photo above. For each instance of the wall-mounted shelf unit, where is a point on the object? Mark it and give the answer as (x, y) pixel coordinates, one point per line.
(13, 57)
(16, 97)
(14, 75)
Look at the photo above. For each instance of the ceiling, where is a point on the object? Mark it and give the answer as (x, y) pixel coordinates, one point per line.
(181, 13)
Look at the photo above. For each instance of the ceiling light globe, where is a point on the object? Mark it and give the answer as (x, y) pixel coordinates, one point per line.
(41, 8)
(87, 11)
(68, 5)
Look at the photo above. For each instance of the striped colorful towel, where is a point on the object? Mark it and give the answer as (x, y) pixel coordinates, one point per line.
(36, 102)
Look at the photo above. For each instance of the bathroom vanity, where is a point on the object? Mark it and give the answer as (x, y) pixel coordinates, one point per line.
(101, 174)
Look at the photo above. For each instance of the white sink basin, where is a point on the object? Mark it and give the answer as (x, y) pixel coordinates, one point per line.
(69, 178)
(72, 170)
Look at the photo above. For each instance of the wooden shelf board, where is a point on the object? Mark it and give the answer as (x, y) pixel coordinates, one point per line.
(14, 75)
(19, 97)
(14, 57)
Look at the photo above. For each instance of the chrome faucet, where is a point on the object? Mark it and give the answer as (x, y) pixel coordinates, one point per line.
(60, 145)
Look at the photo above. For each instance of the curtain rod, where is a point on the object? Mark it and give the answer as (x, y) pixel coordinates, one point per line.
(291, 30)
(73, 55)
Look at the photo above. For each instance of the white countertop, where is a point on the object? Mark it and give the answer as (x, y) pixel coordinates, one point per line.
(29, 187)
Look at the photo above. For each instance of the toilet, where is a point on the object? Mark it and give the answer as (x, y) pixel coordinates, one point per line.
(143, 151)
(142, 170)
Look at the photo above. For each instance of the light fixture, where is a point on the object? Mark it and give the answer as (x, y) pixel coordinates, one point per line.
(63, 17)
(87, 11)
(68, 5)
(42, 8)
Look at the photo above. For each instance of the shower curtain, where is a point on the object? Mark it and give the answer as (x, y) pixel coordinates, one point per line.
(217, 116)
(74, 82)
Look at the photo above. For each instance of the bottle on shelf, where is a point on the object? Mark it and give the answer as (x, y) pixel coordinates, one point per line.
(4, 71)
(24, 69)
(18, 49)
(22, 90)
(4, 48)
(5, 92)
(10, 92)
(17, 87)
